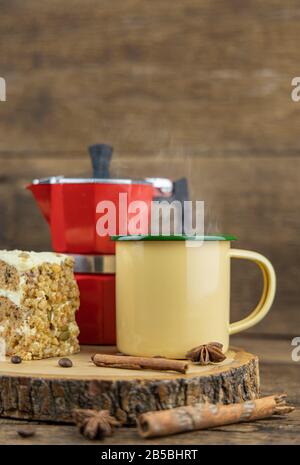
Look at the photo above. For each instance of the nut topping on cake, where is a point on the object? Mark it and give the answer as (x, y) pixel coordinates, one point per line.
(38, 300)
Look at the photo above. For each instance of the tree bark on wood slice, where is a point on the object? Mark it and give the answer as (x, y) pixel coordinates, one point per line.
(41, 390)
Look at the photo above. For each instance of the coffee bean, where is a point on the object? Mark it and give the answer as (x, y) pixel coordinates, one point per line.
(26, 433)
(65, 362)
(16, 359)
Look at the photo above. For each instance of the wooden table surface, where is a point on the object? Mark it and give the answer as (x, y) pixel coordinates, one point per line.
(278, 374)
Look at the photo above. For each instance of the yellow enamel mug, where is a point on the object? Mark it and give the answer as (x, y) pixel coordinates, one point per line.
(173, 293)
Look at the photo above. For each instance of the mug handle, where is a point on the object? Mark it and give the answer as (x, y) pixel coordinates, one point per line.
(268, 293)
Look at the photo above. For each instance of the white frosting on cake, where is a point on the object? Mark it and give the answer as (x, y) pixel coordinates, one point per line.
(14, 296)
(25, 261)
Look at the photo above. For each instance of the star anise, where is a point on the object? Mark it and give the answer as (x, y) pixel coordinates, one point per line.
(95, 424)
(207, 353)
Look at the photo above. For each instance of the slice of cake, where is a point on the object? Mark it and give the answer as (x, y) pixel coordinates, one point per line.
(38, 300)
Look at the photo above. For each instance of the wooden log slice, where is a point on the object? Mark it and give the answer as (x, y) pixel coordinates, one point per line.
(42, 390)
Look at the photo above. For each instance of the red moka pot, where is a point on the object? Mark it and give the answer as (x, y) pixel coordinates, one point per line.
(96, 316)
(70, 206)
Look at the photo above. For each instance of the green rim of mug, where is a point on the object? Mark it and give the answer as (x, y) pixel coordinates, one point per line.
(148, 237)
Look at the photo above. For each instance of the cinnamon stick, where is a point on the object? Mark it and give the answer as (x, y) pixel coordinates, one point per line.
(139, 363)
(202, 416)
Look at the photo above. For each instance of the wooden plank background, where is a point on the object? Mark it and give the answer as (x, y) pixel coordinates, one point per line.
(195, 88)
